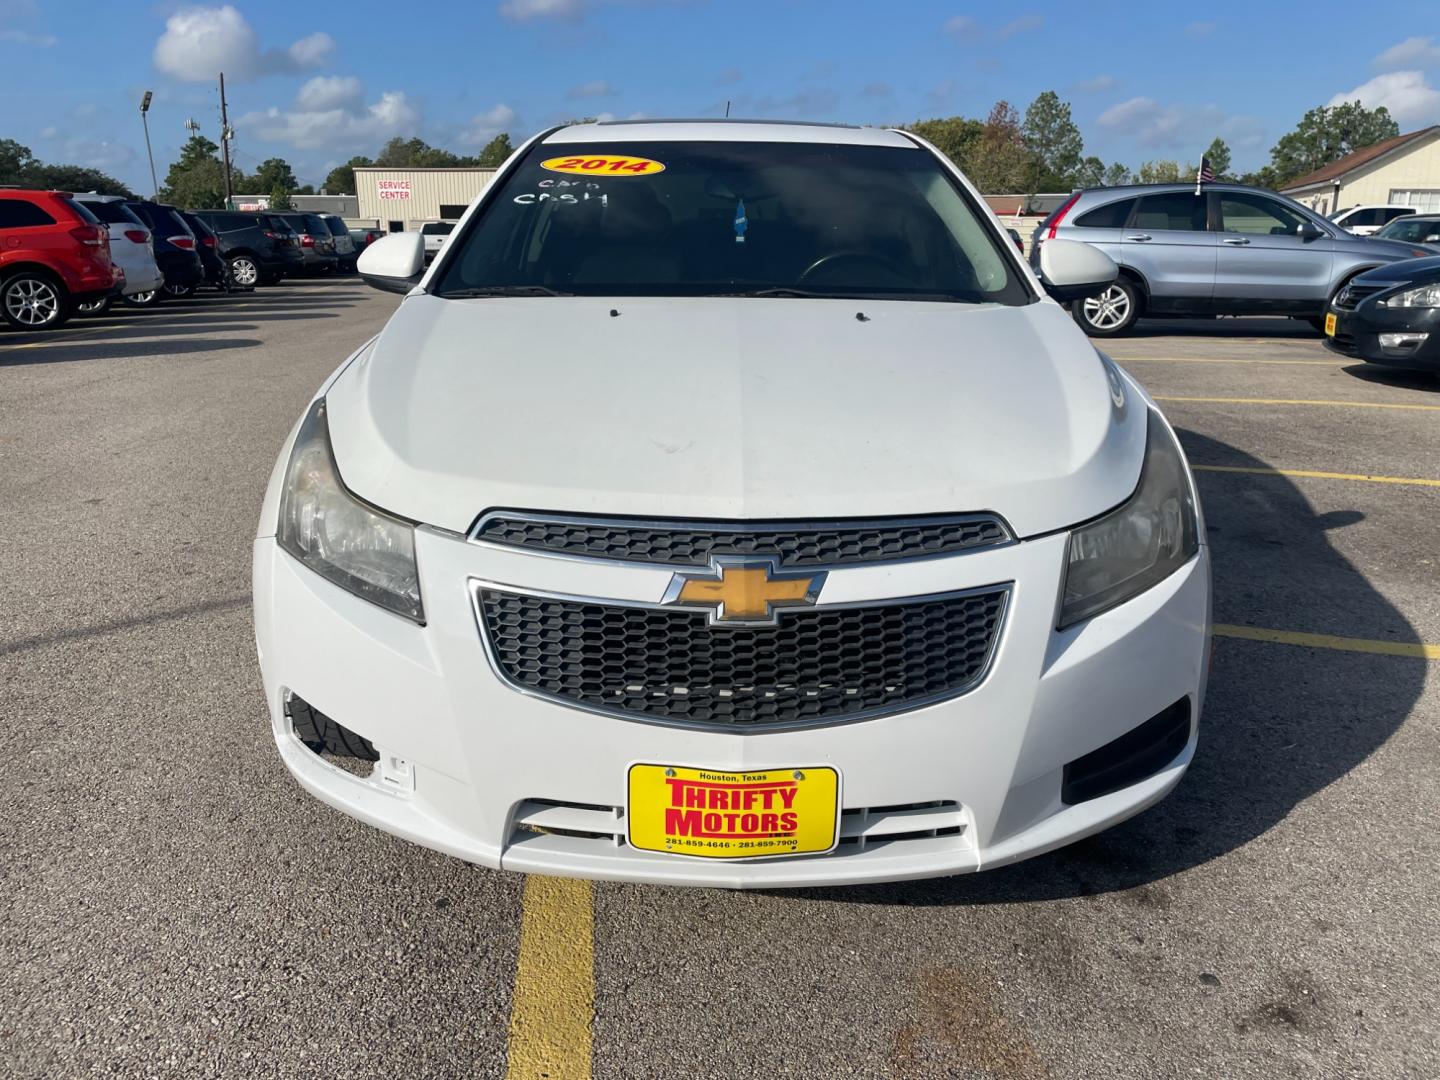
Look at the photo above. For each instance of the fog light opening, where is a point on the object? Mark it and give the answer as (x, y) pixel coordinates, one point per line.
(1402, 341)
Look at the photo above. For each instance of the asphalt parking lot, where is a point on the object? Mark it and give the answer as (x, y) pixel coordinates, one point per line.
(175, 906)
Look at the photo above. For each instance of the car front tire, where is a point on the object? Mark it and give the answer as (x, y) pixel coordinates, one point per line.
(1111, 313)
(30, 300)
(147, 299)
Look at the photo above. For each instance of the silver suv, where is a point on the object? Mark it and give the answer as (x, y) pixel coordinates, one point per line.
(1230, 250)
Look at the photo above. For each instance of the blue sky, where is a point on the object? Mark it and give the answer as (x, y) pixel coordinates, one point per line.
(317, 82)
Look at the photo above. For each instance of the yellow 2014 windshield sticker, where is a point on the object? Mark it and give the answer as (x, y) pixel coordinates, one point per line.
(603, 165)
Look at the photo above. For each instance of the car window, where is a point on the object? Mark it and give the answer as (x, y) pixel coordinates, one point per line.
(112, 213)
(1410, 229)
(21, 213)
(336, 226)
(1177, 211)
(704, 218)
(82, 212)
(437, 228)
(1110, 216)
(1395, 212)
(1255, 215)
(1368, 216)
(315, 224)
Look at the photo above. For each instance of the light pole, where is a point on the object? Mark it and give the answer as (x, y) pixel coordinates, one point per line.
(145, 108)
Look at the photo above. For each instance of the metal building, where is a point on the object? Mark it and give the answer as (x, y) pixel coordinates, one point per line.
(400, 200)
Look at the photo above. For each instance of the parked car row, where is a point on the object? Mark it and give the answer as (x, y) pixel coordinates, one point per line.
(1225, 249)
(63, 253)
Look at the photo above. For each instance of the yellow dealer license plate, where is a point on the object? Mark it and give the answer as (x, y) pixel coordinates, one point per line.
(1330, 321)
(717, 814)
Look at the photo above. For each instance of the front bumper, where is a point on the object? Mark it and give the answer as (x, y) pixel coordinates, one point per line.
(1359, 329)
(467, 762)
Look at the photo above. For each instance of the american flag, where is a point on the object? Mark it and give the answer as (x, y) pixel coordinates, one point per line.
(1204, 175)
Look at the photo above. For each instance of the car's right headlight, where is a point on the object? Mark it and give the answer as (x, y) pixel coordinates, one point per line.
(1426, 296)
(361, 549)
(1139, 544)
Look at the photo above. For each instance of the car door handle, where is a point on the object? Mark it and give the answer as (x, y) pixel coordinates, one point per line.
(1139, 236)
(1237, 242)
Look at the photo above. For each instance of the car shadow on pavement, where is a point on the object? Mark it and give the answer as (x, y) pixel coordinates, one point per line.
(1424, 381)
(106, 349)
(1280, 722)
(1246, 327)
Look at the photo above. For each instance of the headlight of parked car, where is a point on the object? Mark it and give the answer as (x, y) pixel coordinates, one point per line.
(1139, 544)
(359, 548)
(1427, 296)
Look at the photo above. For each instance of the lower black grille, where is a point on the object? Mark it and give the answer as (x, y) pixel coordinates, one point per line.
(1344, 344)
(815, 666)
(1140, 752)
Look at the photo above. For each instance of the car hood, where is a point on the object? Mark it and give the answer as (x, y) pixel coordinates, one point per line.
(735, 408)
(1377, 247)
(1419, 271)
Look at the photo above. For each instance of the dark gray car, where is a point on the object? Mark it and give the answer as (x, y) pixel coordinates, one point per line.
(1230, 250)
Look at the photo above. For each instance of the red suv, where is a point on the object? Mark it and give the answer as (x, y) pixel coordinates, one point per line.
(54, 254)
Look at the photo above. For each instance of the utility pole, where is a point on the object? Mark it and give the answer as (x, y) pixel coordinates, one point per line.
(226, 133)
(145, 108)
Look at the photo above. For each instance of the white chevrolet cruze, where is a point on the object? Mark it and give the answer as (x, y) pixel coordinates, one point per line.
(730, 505)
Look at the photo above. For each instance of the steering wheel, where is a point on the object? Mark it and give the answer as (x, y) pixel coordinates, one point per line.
(836, 256)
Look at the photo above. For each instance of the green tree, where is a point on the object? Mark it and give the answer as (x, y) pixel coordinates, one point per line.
(1327, 134)
(19, 166)
(272, 173)
(15, 162)
(1165, 171)
(304, 189)
(1054, 141)
(999, 163)
(1089, 173)
(495, 151)
(952, 135)
(279, 198)
(401, 153)
(1116, 175)
(1219, 155)
(197, 180)
(341, 179)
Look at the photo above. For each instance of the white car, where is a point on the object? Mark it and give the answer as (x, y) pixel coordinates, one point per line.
(1367, 220)
(132, 247)
(435, 233)
(730, 505)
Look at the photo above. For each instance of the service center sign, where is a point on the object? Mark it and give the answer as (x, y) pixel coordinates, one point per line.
(394, 189)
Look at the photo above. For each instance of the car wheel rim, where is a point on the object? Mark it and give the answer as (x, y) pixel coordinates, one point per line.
(1108, 310)
(32, 302)
(244, 271)
(91, 305)
(143, 297)
(177, 290)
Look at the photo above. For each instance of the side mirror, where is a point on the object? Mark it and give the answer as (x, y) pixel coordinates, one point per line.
(1073, 270)
(394, 263)
(1308, 230)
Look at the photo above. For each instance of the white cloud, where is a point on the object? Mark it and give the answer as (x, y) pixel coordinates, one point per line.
(1413, 52)
(1022, 25)
(1200, 29)
(1098, 84)
(596, 89)
(330, 92)
(21, 37)
(348, 125)
(487, 125)
(200, 42)
(816, 104)
(523, 10)
(962, 27)
(49, 132)
(729, 76)
(1411, 100)
(1178, 127)
(98, 153)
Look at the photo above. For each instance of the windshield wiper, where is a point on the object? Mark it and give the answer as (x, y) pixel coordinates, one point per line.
(811, 294)
(502, 290)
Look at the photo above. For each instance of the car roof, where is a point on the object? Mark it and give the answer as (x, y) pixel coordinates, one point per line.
(784, 131)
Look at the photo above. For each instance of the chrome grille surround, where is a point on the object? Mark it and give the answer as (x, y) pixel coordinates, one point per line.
(818, 666)
(846, 542)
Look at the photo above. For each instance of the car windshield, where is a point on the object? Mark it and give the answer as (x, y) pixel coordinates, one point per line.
(732, 218)
(1413, 230)
(437, 228)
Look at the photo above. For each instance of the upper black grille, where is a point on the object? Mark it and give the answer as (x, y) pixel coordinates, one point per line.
(815, 666)
(694, 543)
(1352, 294)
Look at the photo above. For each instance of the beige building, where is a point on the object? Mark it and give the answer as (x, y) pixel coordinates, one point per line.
(401, 200)
(1404, 170)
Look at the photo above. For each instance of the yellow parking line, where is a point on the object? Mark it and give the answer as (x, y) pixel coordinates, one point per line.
(1316, 474)
(1122, 360)
(1329, 641)
(554, 996)
(1297, 401)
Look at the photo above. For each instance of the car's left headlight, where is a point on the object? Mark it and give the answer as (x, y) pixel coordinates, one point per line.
(1139, 544)
(1426, 296)
(361, 549)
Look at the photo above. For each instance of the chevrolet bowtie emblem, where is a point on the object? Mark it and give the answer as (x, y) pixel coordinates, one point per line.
(739, 589)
